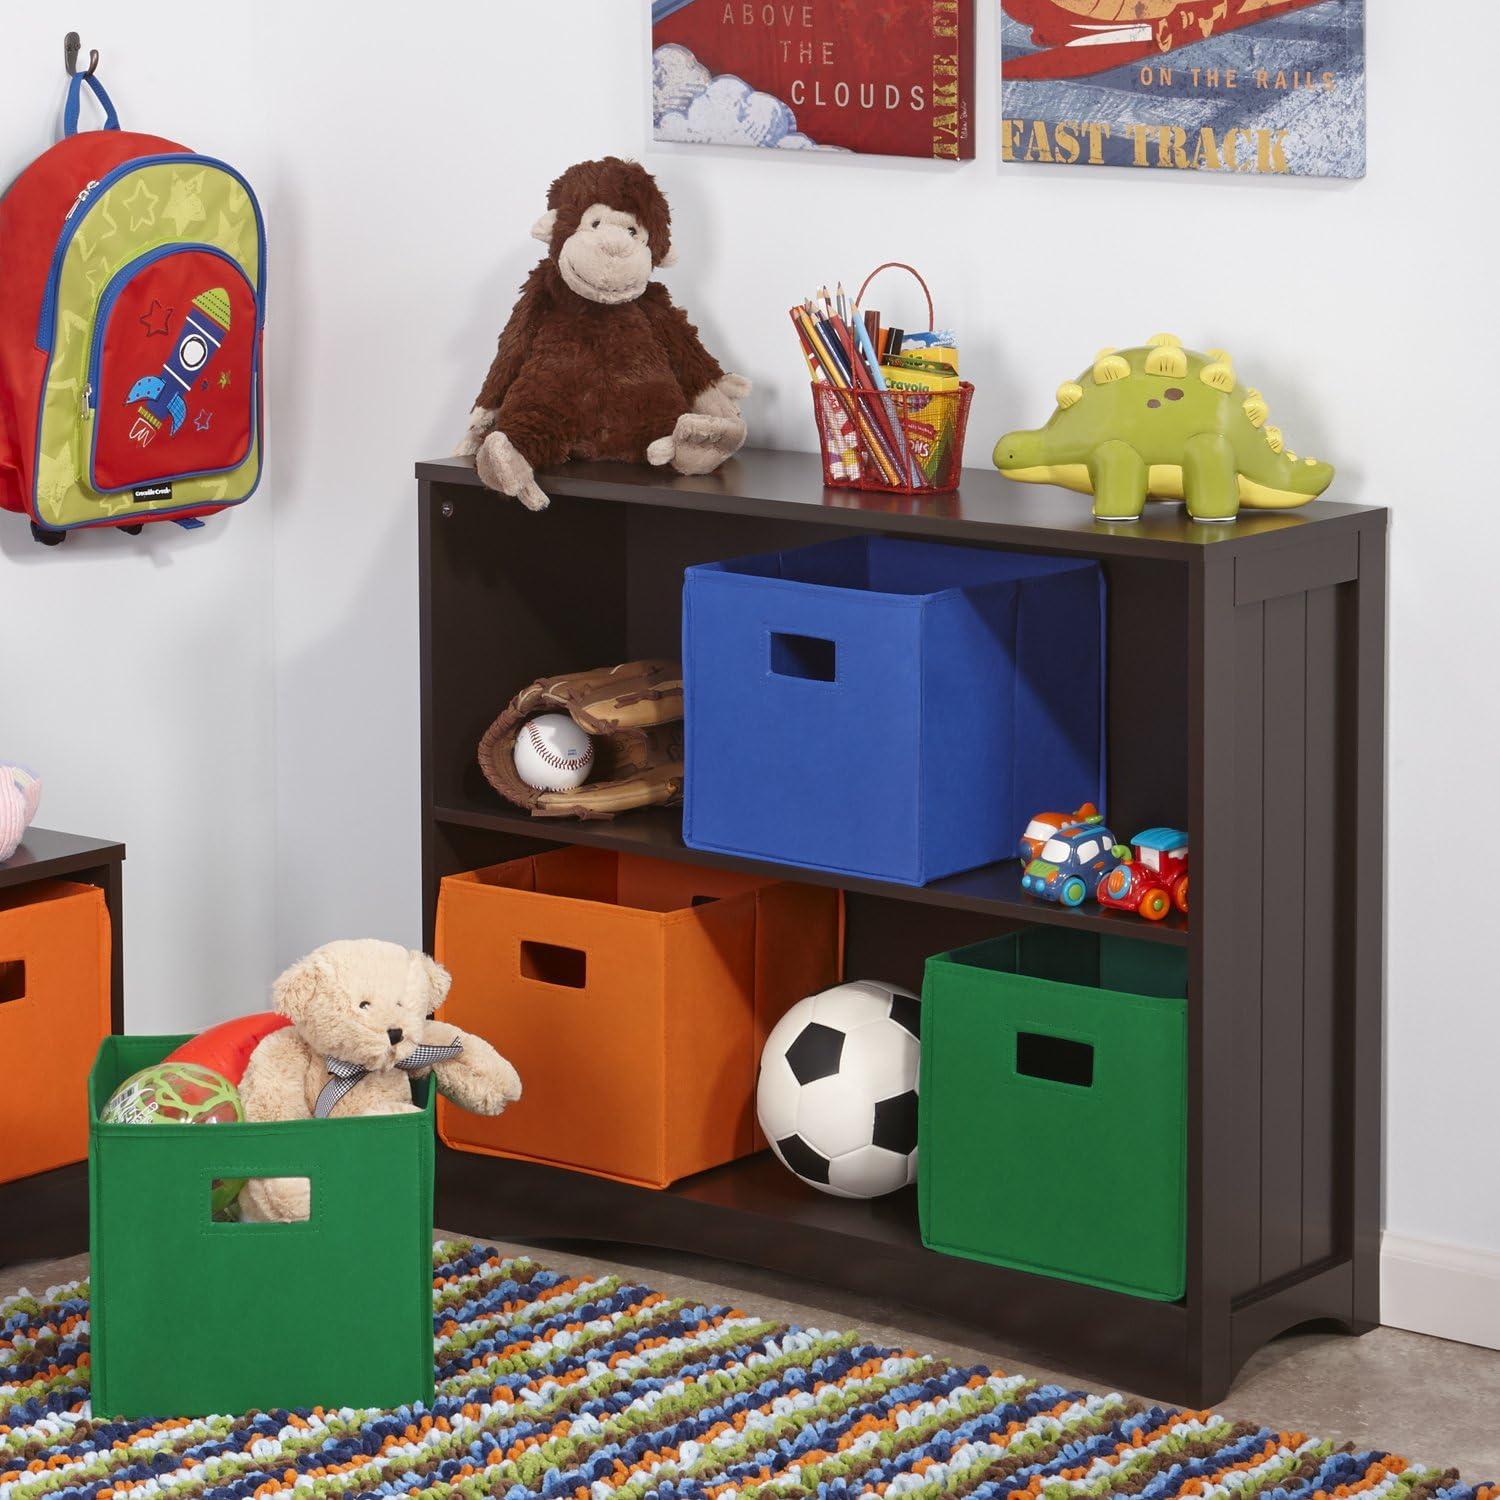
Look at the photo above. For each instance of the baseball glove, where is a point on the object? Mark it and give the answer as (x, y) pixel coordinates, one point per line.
(633, 712)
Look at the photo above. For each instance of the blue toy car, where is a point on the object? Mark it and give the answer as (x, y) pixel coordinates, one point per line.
(1072, 863)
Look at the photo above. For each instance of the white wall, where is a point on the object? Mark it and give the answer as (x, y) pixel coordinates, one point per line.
(136, 672)
(402, 155)
(411, 175)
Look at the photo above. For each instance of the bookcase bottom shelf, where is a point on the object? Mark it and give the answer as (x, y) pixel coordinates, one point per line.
(755, 1213)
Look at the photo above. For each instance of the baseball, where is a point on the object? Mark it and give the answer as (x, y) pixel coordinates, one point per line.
(553, 754)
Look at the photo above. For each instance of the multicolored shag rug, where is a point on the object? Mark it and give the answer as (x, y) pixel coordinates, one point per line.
(597, 1389)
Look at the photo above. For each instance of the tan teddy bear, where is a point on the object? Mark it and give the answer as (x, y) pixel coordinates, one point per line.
(362, 1029)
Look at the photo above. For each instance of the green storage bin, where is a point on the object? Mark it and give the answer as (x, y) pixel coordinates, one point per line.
(1053, 1118)
(191, 1317)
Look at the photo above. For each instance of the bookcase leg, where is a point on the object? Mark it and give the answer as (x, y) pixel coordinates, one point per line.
(110, 879)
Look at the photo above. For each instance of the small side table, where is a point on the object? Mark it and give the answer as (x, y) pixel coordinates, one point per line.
(46, 1215)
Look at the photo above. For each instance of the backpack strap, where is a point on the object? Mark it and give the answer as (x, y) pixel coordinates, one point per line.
(75, 92)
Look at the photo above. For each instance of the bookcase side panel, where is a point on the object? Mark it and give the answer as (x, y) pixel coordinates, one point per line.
(1293, 936)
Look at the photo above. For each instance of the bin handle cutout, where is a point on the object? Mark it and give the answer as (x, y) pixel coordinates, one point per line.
(550, 963)
(228, 1223)
(12, 979)
(810, 657)
(1054, 1059)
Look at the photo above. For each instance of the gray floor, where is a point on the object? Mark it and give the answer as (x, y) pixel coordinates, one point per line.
(1435, 1402)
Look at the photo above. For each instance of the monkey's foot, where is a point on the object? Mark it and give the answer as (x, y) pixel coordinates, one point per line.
(481, 421)
(699, 444)
(501, 467)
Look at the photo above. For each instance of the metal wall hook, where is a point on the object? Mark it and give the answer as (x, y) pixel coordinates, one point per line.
(72, 45)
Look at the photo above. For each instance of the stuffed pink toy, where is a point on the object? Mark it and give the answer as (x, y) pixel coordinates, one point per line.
(20, 792)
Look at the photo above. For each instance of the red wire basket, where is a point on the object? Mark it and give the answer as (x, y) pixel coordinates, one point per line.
(902, 442)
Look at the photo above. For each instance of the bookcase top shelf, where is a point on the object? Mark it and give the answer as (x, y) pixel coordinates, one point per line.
(46, 854)
(781, 485)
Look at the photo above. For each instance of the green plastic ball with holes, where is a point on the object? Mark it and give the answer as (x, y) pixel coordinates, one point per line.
(181, 1093)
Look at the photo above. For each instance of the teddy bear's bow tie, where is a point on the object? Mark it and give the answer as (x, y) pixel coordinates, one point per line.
(342, 1076)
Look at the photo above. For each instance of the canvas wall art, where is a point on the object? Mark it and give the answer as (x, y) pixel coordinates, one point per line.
(888, 77)
(1272, 87)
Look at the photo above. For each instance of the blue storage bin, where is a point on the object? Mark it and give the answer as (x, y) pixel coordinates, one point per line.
(891, 709)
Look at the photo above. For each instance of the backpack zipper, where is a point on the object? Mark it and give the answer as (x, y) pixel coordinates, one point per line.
(82, 198)
(95, 190)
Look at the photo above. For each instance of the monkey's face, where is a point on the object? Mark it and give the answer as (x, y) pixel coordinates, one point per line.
(607, 258)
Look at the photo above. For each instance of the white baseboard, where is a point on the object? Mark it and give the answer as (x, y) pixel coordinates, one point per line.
(1445, 1290)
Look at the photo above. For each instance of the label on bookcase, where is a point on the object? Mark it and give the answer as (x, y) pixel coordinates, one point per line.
(881, 77)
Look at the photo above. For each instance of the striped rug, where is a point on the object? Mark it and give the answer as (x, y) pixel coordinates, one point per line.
(599, 1389)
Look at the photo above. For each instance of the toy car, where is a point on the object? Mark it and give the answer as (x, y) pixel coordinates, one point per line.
(1153, 879)
(1044, 825)
(1072, 864)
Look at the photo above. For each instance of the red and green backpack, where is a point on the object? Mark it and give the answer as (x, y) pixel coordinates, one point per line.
(130, 331)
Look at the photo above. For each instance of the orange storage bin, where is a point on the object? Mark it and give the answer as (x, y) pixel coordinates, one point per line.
(54, 1010)
(634, 996)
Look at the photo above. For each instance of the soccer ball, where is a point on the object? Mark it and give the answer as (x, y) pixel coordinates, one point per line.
(837, 1096)
(180, 1093)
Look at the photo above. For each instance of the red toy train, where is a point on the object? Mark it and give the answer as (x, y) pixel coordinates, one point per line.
(1153, 880)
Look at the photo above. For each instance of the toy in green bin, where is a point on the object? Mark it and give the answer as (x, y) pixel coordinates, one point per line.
(181, 1093)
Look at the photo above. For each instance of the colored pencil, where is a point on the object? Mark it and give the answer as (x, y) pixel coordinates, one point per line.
(885, 417)
(832, 358)
(890, 406)
(842, 445)
(833, 346)
(813, 367)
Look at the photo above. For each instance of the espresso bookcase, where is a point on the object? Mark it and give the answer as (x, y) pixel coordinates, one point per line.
(1246, 693)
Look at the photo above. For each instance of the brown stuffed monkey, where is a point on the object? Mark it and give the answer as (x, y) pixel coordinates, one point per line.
(596, 361)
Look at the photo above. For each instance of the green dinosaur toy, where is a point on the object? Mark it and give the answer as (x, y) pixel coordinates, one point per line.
(1165, 422)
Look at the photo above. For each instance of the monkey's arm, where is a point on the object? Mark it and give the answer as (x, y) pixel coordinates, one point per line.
(695, 368)
(510, 355)
(712, 428)
(532, 429)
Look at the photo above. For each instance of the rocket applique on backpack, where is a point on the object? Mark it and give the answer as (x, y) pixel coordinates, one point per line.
(162, 397)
